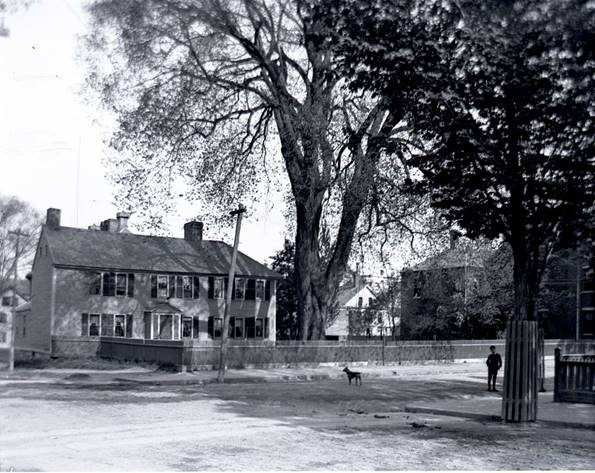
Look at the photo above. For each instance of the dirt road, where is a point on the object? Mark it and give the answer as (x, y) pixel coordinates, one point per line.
(324, 425)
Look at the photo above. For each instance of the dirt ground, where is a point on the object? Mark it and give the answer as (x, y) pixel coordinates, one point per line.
(324, 425)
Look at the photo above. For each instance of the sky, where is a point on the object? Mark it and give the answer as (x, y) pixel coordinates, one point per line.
(52, 140)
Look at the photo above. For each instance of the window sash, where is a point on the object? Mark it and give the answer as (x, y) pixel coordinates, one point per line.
(162, 287)
(121, 284)
(187, 327)
(259, 289)
(240, 288)
(119, 325)
(218, 286)
(187, 287)
(109, 284)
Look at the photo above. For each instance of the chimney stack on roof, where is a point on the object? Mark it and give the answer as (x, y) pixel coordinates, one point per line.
(93, 227)
(109, 225)
(454, 236)
(123, 222)
(52, 219)
(193, 231)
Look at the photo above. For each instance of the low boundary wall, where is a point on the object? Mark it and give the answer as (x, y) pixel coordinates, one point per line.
(265, 354)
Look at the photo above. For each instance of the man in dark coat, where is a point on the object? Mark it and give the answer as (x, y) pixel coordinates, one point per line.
(494, 363)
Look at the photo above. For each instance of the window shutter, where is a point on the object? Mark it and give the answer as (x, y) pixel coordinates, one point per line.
(210, 328)
(129, 319)
(266, 328)
(84, 325)
(230, 331)
(172, 286)
(211, 287)
(250, 289)
(131, 285)
(195, 327)
(233, 289)
(225, 285)
(153, 285)
(196, 286)
(267, 290)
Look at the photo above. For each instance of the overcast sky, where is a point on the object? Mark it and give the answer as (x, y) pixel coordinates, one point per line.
(51, 141)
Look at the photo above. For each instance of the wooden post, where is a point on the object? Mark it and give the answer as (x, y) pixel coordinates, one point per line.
(18, 233)
(230, 277)
(541, 360)
(519, 399)
(557, 374)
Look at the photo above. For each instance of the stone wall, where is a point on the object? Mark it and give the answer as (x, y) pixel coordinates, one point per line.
(265, 354)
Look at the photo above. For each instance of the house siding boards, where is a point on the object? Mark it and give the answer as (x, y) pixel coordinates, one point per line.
(39, 320)
(67, 258)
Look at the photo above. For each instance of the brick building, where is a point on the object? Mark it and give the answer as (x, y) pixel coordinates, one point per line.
(108, 282)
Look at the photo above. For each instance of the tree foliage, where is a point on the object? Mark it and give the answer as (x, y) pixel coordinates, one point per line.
(286, 317)
(503, 129)
(226, 95)
(16, 214)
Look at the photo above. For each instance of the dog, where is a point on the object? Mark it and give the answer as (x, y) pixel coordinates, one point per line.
(353, 375)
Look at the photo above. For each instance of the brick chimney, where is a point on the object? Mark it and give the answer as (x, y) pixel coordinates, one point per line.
(123, 222)
(454, 236)
(52, 219)
(193, 231)
(109, 225)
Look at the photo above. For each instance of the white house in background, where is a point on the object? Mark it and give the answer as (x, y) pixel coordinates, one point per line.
(357, 300)
(6, 300)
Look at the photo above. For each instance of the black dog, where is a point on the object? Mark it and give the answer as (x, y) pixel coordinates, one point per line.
(353, 374)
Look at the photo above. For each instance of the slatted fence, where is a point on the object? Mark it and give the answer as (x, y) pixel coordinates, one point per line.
(574, 378)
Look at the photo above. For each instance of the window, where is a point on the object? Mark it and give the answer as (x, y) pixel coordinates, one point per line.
(187, 327)
(95, 286)
(2, 337)
(119, 325)
(121, 281)
(418, 285)
(360, 301)
(3, 318)
(259, 292)
(162, 287)
(7, 301)
(172, 286)
(238, 331)
(107, 325)
(218, 288)
(90, 325)
(165, 326)
(250, 290)
(259, 328)
(239, 288)
(217, 325)
(370, 302)
(187, 285)
(94, 325)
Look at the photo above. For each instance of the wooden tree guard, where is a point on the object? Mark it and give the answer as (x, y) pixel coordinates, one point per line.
(519, 397)
(541, 361)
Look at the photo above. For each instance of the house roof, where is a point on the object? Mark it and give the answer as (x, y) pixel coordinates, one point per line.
(76, 247)
(457, 257)
(346, 293)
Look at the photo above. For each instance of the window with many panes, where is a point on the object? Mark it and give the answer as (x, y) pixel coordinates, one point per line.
(181, 287)
(107, 325)
(240, 327)
(111, 284)
(243, 288)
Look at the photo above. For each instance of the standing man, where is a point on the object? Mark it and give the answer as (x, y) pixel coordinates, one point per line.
(494, 363)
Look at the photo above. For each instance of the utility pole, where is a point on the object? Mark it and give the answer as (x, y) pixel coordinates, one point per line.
(226, 315)
(18, 233)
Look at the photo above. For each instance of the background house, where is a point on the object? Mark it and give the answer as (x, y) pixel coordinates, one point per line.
(6, 304)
